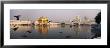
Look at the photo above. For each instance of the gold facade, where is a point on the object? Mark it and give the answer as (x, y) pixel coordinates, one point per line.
(42, 20)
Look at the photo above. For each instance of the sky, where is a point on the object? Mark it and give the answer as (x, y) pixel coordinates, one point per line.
(55, 15)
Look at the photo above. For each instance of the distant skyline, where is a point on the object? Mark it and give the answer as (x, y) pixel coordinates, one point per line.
(55, 15)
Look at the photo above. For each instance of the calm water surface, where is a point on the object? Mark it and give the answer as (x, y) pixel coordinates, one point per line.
(53, 32)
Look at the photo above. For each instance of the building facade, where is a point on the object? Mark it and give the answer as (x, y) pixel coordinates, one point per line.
(42, 20)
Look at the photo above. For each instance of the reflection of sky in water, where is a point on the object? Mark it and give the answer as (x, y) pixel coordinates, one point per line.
(52, 32)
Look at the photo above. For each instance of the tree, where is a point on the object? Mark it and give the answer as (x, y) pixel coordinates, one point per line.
(98, 18)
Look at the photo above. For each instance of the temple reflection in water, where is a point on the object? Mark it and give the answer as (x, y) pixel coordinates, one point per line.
(51, 32)
(43, 29)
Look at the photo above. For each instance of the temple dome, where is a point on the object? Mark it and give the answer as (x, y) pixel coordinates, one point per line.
(42, 20)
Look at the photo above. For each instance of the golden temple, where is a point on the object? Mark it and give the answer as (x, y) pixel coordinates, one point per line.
(42, 20)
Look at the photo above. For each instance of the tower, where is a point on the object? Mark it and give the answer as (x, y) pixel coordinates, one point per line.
(77, 20)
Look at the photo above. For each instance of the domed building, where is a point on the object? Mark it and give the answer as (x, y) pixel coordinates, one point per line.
(42, 20)
(76, 20)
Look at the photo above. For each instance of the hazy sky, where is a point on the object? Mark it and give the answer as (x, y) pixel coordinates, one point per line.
(56, 15)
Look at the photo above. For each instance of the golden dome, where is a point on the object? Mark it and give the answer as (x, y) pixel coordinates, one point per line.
(43, 20)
